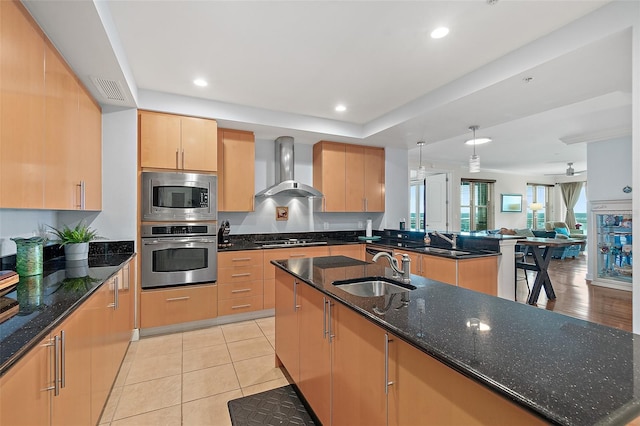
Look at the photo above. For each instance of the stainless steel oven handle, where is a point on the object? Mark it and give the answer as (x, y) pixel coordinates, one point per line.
(174, 240)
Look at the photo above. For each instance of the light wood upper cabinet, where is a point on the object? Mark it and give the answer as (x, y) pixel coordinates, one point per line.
(47, 159)
(354, 178)
(90, 141)
(374, 182)
(21, 109)
(329, 174)
(351, 177)
(62, 155)
(236, 170)
(177, 142)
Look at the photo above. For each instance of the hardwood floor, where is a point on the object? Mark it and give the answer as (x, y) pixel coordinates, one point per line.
(576, 298)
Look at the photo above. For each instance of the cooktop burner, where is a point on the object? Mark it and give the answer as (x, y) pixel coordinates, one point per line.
(292, 242)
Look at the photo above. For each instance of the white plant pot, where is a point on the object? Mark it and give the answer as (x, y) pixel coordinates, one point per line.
(77, 268)
(78, 251)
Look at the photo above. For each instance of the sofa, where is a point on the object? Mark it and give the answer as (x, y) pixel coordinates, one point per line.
(562, 228)
(556, 253)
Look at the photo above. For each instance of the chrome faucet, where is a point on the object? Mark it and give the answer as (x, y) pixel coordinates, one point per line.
(393, 262)
(451, 241)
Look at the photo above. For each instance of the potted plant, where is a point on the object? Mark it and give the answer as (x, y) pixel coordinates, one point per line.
(75, 240)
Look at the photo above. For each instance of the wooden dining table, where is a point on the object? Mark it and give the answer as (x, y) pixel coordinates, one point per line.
(541, 249)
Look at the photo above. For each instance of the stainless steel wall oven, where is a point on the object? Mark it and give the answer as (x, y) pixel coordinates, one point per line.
(179, 254)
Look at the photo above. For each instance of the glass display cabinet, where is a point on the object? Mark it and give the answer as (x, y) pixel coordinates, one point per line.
(612, 237)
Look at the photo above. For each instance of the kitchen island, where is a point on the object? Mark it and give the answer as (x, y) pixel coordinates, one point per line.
(523, 364)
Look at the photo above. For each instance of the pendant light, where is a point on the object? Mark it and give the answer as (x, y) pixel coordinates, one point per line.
(422, 172)
(474, 160)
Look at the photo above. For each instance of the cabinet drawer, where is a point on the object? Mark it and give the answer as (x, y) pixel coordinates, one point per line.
(234, 259)
(177, 305)
(243, 289)
(239, 274)
(239, 305)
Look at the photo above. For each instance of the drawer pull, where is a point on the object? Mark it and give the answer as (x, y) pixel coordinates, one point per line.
(248, 305)
(297, 255)
(246, 274)
(242, 290)
(240, 259)
(173, 299)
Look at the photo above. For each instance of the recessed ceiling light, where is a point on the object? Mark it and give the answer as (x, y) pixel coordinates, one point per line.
(479, 141)
(200, 82)
(439, 32)
(341, 108)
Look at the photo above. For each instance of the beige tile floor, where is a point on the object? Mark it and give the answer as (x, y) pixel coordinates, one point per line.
(187, 378)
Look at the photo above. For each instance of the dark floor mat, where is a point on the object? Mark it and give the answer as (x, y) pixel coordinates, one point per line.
(279, 406)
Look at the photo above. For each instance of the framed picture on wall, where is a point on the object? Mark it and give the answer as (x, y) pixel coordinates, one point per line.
(511, 203)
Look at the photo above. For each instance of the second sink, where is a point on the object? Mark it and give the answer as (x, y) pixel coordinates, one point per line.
(372, 286)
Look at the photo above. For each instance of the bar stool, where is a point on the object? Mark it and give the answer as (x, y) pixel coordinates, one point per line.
(519, 258)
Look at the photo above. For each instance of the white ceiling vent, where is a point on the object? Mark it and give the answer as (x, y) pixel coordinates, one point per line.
(111, 90)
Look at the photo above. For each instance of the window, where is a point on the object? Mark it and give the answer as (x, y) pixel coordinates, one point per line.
(476, 209)
(537, 193)
(580, 210)
(416, 209)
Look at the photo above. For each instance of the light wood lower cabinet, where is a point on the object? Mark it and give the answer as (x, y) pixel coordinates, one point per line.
(479, 274)
(424, 388)
(353, 372)
(178, 305)
(358, 369)
(279, 254)
(314, 351)
(355, 251)
(24, 397)
(67, 377)
(240, 282)
(287, 329)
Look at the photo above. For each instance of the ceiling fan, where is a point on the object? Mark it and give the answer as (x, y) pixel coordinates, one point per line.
(569, 172)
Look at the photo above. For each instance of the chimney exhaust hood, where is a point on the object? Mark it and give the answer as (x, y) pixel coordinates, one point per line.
(285, 182)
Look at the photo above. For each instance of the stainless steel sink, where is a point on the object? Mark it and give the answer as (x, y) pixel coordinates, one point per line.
(448, 252)
(373, 286)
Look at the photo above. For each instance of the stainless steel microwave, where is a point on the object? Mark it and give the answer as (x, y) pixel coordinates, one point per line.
(179, 196)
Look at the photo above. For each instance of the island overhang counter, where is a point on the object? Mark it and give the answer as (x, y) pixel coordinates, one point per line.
(560, 369)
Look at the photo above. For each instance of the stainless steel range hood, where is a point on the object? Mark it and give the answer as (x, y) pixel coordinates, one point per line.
(285, 182)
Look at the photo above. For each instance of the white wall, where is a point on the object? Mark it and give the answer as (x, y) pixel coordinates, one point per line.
(22, 223)
(505, 184)
(609, 164)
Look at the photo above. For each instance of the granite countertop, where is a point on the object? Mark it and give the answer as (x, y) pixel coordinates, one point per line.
(46, 300)
(568, 371)
(249, 242)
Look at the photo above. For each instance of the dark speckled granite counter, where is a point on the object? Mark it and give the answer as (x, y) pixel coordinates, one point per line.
(45, 300)
(566, 370)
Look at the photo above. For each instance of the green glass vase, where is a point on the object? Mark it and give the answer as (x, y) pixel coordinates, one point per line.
(29, 256)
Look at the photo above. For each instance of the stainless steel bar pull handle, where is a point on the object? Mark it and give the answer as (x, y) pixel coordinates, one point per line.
(183, 158)
(177, 164)
(83, 195)
(116, 295)
(295, 296)
(63, 358)
(56, 365)
(324, 318)
(387, 383)
(244, 274)
(241, 290)
(331, 335)
(173, 299)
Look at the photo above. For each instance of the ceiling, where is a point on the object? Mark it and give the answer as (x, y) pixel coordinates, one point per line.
(280, 67)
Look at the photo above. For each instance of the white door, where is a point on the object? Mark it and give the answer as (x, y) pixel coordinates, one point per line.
(437, 201)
